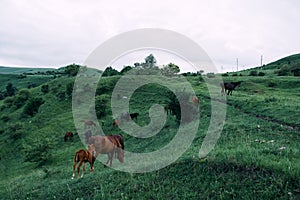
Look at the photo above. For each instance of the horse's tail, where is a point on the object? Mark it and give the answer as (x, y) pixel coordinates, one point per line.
(76, 157)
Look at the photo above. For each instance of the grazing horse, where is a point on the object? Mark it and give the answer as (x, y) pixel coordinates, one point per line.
(125, 116)
(120, 138)
(134, 115)
(229, 87)
(68, 135)
(89, 124)
(87, 134)
(107, 145)
(83, 156)
(116, 123)
(196, 101)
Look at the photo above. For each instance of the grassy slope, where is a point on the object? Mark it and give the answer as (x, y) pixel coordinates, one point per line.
(21, 70)
(246, 162)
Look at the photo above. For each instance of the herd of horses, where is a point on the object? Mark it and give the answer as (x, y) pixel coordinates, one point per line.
(113, 145)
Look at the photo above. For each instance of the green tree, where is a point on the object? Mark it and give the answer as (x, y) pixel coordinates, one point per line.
(126, 69)
(150, 62)
(170, 69)
(32, 106)
(10, 90)
(72, 70)
(109, 71)
(45, 89)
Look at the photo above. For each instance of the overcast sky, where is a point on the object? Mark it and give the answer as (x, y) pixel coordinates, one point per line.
(56, 33)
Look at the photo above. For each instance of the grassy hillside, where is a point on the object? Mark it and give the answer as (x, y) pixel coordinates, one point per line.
(21, 70)
(256, 157)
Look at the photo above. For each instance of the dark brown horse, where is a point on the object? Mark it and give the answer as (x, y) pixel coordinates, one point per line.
(120, 139)
(229, 87)
(87, 135)
(134, 115)
(82, 156)
(68, 135)
(107, 145)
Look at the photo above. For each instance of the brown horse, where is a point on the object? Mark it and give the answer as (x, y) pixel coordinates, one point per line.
(89, 124)
(116, 123)
(107, 145)
(87, 135)
(229, 87)
(120, 139)
(196, 101)
(68, 135)
(83, 156)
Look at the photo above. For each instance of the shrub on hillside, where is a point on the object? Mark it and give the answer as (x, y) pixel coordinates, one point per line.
(296, 69)
(261, 74)
(100, 105)
(211, 75)
(284, 71)
(190, 113)
(38, 150)
(253, 73)
(14, 131)
(69, 89)
(45, 89)
(21, 98)
(32, 106)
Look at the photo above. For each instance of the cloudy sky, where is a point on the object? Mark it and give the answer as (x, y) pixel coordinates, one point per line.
(56, 33)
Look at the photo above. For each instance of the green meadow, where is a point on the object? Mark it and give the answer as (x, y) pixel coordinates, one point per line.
(256, 157)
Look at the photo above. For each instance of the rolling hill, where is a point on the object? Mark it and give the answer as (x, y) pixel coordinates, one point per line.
(256, 157)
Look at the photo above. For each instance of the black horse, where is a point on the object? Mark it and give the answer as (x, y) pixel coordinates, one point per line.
(134, 115)
(229, 87)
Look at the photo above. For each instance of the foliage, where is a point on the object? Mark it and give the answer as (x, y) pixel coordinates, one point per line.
(72, 70)
(32, 106)
(14, 131)
(69, 89)
(125, 69)
(261, 74)
(101, 104)
(170, 70)
(109, 71)
(45, 89)
(211, 75)
(10, 90)
(253, 73)
(38, 151)
(179, 103)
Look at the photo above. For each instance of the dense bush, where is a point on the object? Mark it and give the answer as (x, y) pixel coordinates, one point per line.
(38, 150)
(261, 74)
(190, 112)
(14, 131)
(45, 89)
(253, 73)
(100, 105)
(32, 106)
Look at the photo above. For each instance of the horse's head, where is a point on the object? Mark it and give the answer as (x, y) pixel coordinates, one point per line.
(92, 150)
(120, 155)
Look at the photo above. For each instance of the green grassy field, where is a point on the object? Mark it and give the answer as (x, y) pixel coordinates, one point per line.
(256, 157)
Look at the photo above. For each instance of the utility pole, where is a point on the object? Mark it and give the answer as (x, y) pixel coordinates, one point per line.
(261, 61)
(237, 64)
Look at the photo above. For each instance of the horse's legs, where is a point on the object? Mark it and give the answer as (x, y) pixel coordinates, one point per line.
(74, 167)
(78, 168)
(83, 169)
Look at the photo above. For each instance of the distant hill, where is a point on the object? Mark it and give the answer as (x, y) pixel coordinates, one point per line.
(21, 70)
(289, 60)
